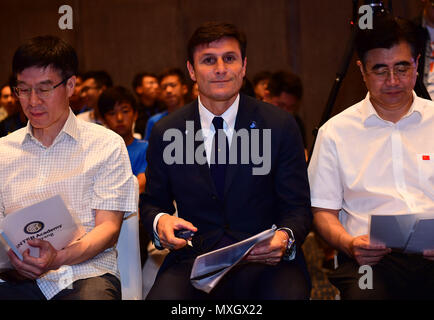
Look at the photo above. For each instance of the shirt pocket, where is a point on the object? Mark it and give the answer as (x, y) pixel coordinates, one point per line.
(425, 163)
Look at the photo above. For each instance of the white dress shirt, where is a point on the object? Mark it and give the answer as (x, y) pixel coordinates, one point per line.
(363, 165)
(88, 166)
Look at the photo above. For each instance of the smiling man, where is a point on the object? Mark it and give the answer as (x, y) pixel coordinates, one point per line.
(377, 157)
(225, 203)
(57, 154)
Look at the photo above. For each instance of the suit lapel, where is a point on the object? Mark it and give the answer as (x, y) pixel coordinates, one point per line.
(246, 116)
(203, 169)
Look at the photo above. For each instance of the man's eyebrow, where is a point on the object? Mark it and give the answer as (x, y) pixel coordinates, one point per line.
(45, 82)
(41, 82)
(403, 63)
(382, 65)
(215, 54)
(379, 66)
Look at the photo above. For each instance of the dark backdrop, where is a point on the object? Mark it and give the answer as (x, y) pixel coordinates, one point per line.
(127, 36)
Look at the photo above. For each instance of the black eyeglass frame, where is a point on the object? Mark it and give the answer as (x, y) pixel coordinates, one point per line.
(17, 90)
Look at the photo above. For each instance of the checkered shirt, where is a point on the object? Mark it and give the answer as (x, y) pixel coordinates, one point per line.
(88, 165)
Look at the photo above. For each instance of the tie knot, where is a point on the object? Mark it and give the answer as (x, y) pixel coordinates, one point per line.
(218, 123)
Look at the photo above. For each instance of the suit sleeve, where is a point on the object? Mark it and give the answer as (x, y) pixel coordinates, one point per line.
(291, 183)
(157, 197)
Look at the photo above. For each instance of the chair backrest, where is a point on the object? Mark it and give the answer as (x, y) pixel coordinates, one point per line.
(129, 263)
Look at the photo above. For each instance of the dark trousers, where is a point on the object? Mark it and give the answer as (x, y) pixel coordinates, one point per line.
(105, 287)
(286, 280)
(396, 276)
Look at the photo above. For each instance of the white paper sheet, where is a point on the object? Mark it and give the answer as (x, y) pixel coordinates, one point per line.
(410, 233)
(422, 237)
(209, 268)
(47, 220)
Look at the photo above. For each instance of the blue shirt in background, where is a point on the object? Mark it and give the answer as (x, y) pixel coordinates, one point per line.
(152, 120)
(137, 153)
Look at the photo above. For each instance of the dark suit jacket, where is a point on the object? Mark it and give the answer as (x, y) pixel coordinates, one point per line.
(252, 203)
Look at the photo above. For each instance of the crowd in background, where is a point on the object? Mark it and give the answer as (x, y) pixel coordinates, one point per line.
(132, 112)
(154, 97)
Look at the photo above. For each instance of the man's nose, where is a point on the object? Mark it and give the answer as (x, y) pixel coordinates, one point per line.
(168, 90)
(392, 78)
(119, 117)
(33, 98)
(220, 66)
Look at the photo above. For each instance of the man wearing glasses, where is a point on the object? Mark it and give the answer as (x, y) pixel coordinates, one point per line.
(56, 154)
(377, 157)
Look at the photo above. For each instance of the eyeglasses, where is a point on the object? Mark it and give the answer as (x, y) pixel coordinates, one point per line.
(401, 72)
(43, 91)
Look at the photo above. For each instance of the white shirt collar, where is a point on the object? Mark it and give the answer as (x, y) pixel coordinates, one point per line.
(371, 117)
(228, 116)
(70, 128)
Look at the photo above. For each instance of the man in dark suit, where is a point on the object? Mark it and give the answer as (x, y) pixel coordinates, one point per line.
(236, 196)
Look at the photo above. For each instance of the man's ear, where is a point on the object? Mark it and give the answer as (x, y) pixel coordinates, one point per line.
(70, 85)
(184, 89)
(101, 90)
(244, 66)
(362, 69)
(139, 90)
(191, 71)
(267, 96)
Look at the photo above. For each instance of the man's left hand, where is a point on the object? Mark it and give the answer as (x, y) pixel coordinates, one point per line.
(269, 251)
(32, 267)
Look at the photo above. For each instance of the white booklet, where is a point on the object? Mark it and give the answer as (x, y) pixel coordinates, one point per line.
(48, 220)
(409, 233)
(210, 267)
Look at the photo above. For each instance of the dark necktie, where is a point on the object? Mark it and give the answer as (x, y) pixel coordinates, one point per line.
(218, 160)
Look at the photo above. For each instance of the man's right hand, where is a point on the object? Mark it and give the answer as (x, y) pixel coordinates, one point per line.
(166, 226)
(365, 253)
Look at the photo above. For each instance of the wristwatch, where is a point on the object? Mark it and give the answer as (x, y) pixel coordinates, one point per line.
(290, 245)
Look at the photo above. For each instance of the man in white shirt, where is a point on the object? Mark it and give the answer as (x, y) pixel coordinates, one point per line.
(377, 157)
(85, 163)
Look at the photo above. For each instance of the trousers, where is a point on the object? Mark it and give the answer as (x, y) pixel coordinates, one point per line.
(105, 287)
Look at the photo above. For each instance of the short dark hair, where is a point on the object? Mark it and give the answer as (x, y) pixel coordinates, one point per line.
(113, 95)
(173, 72)
(263, 75)
(285, 81)
(213, 31)
(45, 51)
(138, 78)
(11, 82)
(4, 85)
(387, 32)
(101, 77)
